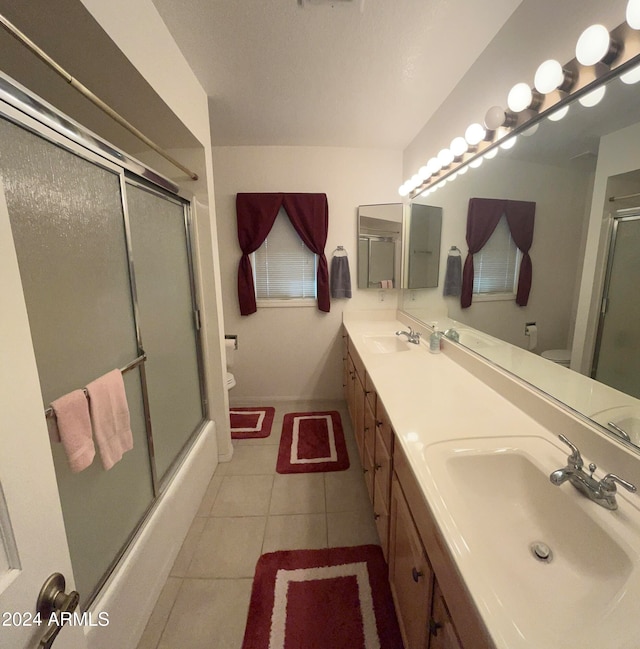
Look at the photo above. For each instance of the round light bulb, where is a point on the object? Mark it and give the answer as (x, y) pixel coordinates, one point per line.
(508, 144)
(491, 153)
(424, 172)
(425, 193)
(403, 190)
(459, 146)
(476, 163)
(520, 97)
(632, 76)
(557, 115)
(549, 76)
(474, 134)
(531, 130)
(416, 180)
(434, 165)
(453, 176)
(495, 118)
(593, 45)
(633, 14)
(593, 98)
(463, 170)
(446, 157)
(441, 184)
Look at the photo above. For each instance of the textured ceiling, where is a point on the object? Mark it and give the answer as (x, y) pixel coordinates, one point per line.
(360, 73)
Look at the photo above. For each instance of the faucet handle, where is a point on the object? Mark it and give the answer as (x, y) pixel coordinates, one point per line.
(608, 482)
(575, 458)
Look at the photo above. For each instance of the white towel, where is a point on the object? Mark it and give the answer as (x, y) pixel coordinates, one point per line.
(110, 417)
(73, 429)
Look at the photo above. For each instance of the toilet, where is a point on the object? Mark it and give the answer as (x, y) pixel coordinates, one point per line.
(230, 347)
(558, 356)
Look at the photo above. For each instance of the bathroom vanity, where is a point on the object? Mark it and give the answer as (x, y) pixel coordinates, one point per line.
(483, 551)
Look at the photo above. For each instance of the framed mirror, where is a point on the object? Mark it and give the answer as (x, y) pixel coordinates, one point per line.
(582, 170)
(380, 245)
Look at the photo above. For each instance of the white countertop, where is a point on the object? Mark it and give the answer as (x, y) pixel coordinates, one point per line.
(430, 398)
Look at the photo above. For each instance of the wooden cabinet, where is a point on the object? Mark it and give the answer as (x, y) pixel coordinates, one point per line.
(433, 605)
(441, 628)
(410, 574)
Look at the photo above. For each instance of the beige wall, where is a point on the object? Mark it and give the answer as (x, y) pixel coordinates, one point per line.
(295, 352)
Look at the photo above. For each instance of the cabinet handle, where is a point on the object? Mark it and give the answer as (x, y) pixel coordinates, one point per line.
(365, 470)
(416, 574)
(377, 467)
(376, 516)
(434, 626)
(378, 424)
(367, 392)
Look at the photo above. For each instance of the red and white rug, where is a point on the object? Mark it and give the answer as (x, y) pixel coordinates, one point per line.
(336, 598)
(247, 423)
(312, 442)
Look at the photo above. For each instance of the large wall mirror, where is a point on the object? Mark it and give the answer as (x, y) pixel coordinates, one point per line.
(583, 173)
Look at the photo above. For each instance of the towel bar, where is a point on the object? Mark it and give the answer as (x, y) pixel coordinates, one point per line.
(133, 364)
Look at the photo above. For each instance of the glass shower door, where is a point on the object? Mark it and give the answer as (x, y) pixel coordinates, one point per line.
(166, 310)
(67, 221)
(618, 349)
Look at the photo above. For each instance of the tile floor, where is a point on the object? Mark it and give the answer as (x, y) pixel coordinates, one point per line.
(248, 510)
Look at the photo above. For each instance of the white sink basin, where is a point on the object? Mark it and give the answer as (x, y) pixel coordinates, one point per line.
(625, 417)
(493, 499)
(386, 343)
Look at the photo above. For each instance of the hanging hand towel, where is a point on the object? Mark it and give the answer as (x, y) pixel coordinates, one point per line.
(110, 417)
(74, 429)
(340, 277)
(453, 276)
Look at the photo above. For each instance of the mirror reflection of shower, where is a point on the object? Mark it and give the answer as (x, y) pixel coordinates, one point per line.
(379, 246)
(617, 354)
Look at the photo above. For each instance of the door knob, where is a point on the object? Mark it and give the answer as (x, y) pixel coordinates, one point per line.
(52, 599)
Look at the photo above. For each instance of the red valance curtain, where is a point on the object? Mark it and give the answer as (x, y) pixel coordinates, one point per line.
(256, 214)
(482, 218)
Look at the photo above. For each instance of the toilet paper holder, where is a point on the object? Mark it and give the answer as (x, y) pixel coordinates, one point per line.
(233, 337)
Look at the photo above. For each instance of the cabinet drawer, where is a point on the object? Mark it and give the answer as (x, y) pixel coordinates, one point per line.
(370, 391)
(382, 467)
(383, 425)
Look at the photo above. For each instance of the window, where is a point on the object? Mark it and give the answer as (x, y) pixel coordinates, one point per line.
(283, 267)
(497, 266)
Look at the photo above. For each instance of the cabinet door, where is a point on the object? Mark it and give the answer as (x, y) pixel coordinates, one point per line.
(345, 369)
(410, 574)
(369, 432)
(358, 414)
(443, 634)
(382, 489)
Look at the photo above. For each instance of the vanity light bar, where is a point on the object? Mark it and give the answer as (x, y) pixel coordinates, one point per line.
(554, 86)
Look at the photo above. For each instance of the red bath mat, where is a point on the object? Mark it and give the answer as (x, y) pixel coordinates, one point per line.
(248, 423)
(312, 442)
(336, 598)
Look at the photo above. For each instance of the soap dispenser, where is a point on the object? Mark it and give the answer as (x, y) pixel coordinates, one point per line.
(434, 339)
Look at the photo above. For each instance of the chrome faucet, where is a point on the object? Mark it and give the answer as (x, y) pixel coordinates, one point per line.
(412, 336)
(452, 334)
(602, 492)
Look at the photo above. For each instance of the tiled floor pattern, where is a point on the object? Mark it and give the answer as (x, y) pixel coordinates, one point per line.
(248, 510)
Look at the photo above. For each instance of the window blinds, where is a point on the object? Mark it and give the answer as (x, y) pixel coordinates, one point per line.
(497, 265)
(283, 267)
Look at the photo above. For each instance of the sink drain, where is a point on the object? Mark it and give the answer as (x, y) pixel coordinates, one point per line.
(541, 551)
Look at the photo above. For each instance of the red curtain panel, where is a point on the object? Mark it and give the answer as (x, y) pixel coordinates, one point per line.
(256, 214)
(482, 218)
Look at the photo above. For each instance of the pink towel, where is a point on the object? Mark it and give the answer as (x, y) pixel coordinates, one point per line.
(74, 429)
(110, 417)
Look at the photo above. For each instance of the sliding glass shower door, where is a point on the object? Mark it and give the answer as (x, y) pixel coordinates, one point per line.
(106, 271)
(67, 221)
(163, 277)
(617, 350)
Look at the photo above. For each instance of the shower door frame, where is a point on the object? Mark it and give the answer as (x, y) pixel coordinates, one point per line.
(627, 214)
(24, 109)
